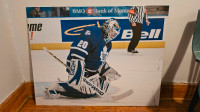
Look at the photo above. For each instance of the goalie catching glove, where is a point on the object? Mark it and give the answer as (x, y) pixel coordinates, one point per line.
(108, 73)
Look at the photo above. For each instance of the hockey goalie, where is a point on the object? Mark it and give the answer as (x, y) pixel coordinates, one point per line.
(89, 74)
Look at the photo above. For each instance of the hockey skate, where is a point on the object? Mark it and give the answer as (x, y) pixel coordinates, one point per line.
(52, 94)
(133, 51)
(51, 91)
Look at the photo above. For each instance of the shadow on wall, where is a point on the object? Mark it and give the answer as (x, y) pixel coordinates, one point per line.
(180, 53)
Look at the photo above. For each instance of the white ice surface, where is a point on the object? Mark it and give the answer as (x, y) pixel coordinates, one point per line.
(140, 72)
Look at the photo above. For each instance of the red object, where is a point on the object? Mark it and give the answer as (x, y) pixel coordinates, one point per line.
(31, 35)
(131, 11)
(145, 11)
(89, 11)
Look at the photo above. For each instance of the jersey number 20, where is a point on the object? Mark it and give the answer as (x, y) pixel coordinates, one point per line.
(83, 44)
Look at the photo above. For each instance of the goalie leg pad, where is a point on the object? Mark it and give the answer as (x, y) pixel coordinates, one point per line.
(76, 72)
(97, 84)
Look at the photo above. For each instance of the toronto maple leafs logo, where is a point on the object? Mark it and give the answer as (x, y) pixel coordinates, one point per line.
(104, 54)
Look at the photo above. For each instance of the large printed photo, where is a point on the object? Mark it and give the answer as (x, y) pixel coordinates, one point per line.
(97, 56)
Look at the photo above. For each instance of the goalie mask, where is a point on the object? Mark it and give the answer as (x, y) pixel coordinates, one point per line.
(110, 29)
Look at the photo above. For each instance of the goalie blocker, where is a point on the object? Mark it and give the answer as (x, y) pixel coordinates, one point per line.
(82, 83)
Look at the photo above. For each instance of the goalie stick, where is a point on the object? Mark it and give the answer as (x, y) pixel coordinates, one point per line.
(44, 48)
(113, 98)
(121, 96)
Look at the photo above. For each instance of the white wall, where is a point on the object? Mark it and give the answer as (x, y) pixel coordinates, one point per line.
(15, 62)
(179, 62)
(10, 70)
(17, 11)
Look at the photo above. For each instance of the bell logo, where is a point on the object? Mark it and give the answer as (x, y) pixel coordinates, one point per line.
(153, 34)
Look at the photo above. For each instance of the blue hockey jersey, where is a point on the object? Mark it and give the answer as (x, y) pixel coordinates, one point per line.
(90, 47)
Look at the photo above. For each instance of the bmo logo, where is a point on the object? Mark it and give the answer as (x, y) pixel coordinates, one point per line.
(89, 11)
(75, 11)
(154, 34)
